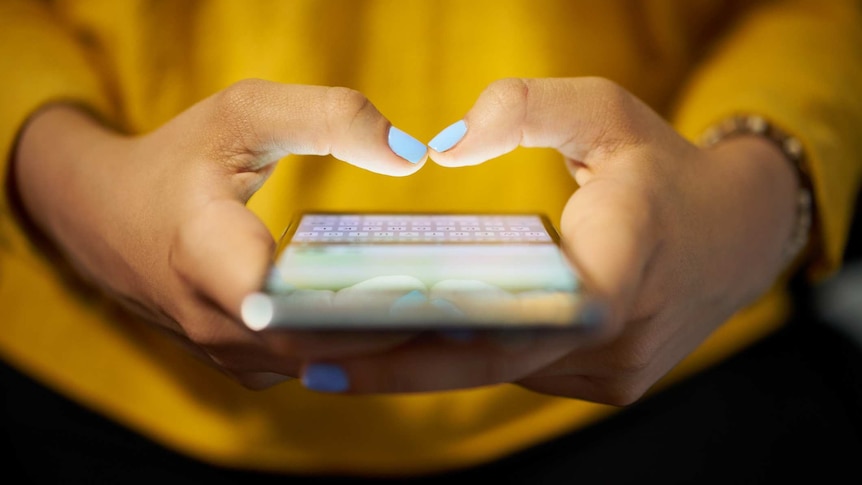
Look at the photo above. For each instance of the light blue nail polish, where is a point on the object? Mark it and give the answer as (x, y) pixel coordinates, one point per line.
(447, 307)
(450, 135)
(325, 378)
(408, 301)
(593, 315)
(405, 146)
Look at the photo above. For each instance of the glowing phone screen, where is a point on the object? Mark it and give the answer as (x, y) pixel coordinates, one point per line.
(421, 270)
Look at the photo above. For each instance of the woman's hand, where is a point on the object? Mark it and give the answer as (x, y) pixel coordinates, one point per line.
(673, 238)
(159, 220)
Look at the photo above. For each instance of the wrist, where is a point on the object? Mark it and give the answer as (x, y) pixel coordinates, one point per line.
(782, 156)
(55, 163)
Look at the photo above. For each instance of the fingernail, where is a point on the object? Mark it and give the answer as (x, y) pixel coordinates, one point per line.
(592, 315)
(325, 378)
(408, 301)
(405, 146)
(447, 307)
(257, 311)
(450, 135)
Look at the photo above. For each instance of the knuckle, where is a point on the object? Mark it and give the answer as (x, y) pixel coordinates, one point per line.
(346, 102)
(629, 362)
(626, 377)
(344, 107)
(619, 110)
(599, 84)
(240, 96)
(206, 336)
(235, 108)
(609, 92)
(509, 93)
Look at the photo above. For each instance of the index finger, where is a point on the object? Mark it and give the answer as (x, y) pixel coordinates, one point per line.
(257, 122)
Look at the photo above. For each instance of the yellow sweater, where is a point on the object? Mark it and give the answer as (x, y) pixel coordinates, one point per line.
(422, 64)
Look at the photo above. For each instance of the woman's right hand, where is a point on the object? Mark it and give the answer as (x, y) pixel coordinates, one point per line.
(159, 220)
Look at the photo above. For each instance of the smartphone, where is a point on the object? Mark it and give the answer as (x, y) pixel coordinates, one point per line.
(378, 271)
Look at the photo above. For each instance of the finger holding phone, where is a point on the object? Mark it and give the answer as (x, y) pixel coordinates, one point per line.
(672, 237)
(159, 221)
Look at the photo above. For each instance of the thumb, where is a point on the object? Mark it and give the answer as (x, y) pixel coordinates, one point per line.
(576, 116)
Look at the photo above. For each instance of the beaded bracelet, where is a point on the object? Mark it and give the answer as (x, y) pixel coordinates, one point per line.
(792, 149)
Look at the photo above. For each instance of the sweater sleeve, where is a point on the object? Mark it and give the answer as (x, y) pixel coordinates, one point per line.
(798, 64)
(42, 62)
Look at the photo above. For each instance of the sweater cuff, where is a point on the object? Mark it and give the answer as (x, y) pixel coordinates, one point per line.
(42, 64)
(774, 64)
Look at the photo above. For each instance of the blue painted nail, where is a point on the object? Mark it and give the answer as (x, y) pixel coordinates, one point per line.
(450, 135)
(325, 378)
(447, 307)
(593, 315)
(405, 146)
(408, 301)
